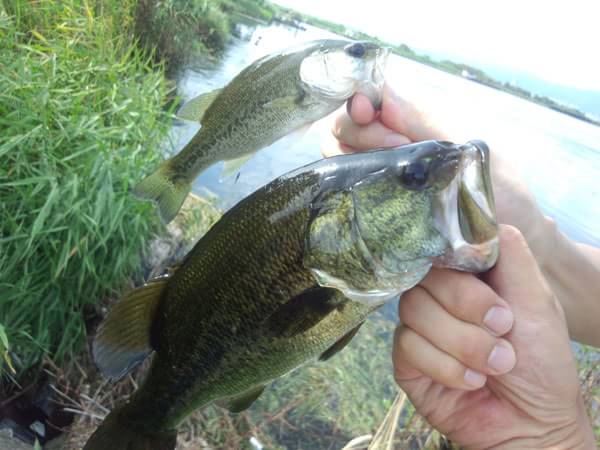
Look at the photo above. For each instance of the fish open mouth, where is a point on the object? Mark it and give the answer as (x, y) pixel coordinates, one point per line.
(379, 67)
(372, 86)
(466, 213)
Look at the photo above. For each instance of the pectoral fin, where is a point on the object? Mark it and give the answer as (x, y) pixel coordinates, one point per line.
(194, 109)
(340, 344)
(239, 403)
(123, 339)
(283, 103)
(232, 166)
(303, 312)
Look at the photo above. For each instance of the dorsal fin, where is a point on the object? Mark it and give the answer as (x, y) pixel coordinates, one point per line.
(194, 109)
(123, 339)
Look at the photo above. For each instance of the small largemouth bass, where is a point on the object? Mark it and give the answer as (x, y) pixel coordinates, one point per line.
(274, 96)
(288, 276)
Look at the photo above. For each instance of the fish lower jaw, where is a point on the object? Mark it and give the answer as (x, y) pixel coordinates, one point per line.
(470, 257)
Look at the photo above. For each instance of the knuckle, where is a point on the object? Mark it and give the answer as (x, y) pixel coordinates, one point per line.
(451, 373)
(512, 235)
(409, 305)
(404, 349)
(401, 341)
(403, 372)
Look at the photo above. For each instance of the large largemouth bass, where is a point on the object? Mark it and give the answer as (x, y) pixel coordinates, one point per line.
(287, 276)
(271, 98)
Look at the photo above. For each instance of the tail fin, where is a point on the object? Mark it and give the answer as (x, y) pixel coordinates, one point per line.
(115, 433)
(166, 188)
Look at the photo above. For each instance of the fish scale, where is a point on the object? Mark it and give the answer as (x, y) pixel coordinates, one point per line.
(247, 304)
(236, 121)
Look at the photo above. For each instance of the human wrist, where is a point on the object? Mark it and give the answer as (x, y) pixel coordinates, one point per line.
(575, 280)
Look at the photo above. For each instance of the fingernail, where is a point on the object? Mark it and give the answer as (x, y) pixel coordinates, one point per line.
(498, 320)
(501, 359)
(474, 379)
(394, 140)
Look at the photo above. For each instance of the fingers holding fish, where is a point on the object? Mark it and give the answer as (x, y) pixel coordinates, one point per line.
(361, 126)
(431, 362)
(360, 109)
(470, 344)
(364, 137)
(468, 300)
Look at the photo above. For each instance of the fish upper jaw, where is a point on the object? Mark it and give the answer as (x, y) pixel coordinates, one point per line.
(372, 86)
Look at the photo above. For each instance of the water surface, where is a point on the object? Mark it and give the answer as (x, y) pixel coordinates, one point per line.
(557, 156)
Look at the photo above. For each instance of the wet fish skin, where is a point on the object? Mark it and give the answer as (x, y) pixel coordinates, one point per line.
(271, 98)
(245, 306)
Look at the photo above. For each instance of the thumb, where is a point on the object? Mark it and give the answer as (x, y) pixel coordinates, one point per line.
(516, 277)
(360, 109)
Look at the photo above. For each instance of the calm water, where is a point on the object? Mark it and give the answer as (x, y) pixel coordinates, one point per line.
(557, 156)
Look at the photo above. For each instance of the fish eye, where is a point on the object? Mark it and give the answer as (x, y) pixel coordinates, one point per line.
(357, 50)
(415, 175)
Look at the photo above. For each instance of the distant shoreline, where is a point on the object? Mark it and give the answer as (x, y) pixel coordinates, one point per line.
(296, 19)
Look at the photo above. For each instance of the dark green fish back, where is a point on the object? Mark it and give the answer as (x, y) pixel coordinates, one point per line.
(242, 309)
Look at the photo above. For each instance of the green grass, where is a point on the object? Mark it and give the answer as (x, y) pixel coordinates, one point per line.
(180, 29)
(81, 120)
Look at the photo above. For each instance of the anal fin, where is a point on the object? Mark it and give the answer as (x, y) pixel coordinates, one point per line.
(123, 339)
(239, 403)
(340, 344)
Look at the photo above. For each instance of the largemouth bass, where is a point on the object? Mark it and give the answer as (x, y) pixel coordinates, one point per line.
(287, 276)
(271, 98)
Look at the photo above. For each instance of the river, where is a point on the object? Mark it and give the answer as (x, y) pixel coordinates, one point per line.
(557, 156)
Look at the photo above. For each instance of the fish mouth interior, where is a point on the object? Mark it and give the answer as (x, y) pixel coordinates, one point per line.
(372, 85)
(379, 67)
(466, 214)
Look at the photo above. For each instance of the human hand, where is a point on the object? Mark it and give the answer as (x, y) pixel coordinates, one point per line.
(400, 122)
(481, 390)
(572, 271)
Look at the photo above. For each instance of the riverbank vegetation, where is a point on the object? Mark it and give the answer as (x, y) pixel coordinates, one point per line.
(83, 116)
(179, 30)
(81, 120)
